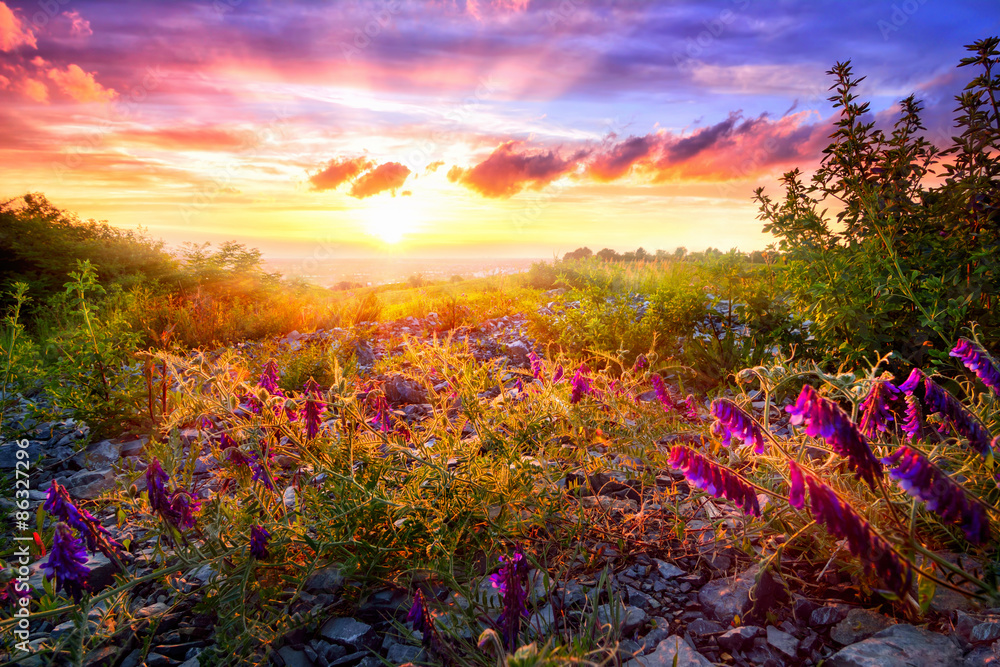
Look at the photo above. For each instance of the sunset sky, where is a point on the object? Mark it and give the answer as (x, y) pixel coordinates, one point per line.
(462, 128)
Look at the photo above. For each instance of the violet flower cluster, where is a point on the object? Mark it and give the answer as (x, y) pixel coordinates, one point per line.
(512, 581)
(177, 508)
(313, 412)
(939, 400)
(581, 385)
(875, 413)
(259, 537)
(640, 363)
(67, 562)
(662, 393)
(423, 622)
(714, 479)
(98, 538)
(920, 478)
(825, 419)
(732, 421)
(979, 362)
(841, 521)
(557, 375)
(269, 378)
(536, 365)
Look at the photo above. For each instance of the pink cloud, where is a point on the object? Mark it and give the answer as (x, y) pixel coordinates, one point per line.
(80, 27)
(80, 85)
(13, 31)
(387, 176)
(508, 171)
(339, 170)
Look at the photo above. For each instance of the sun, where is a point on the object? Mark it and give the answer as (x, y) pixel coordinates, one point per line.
(392, 218)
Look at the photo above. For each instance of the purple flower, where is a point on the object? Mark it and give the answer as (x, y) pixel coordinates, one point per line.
(640, 363)
(512, 581)
(662, 393)
(939, 400)
(581, 385)
(558, 374)
(381, 421)
(536, 364)
(912, 381)
(714, 479)
(872, 549)
(98, 538)
(260, 472)
(269, 378)
(259, 537)
(978, 361)
(176, 508)
(732, 421)
(914, 418)
(67, 562)
(920, 478)
(825, 419)
(691, 408)
(314, 408)
(420, 617)
(797, 489)
(875, 415)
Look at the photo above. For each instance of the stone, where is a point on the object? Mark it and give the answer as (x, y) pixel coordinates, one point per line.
(725, 598)
(327, 580)
(155, 609)
(401, 390)
(294, 658)
(802, 609)
(102, 572)
(9, 454)
(981, 656)
(667, 570)
(985, 632)
(348, 632)
(542, 622)
(701, 626)
(736, 639)
(827, 615)
(671, 652)
(858, 625)
(783, 641)
(98, 455)
(399, 654)
(902, 645)
(133, 447)
(89, 484)
(518, 352)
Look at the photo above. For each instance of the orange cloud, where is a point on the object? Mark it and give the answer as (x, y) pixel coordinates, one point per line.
(80, 85)
(339, 171)
(387, 176)
(506, 172)
(433, 166)
(13, 31)
(35, 90)
(189, 138)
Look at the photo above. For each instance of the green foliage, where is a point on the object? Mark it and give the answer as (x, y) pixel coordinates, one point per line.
(911, 255)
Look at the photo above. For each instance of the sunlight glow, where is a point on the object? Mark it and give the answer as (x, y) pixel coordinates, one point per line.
(391, 218)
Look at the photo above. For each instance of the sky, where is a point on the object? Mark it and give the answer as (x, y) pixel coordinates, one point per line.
(486, 128)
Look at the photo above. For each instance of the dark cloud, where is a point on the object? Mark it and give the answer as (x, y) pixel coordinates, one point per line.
(618, 161)
(387, 176)
(339, 170)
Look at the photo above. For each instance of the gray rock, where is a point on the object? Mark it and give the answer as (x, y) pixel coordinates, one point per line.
(87, 484)
(403, 653)
(133, 447)
(701, 626)
(902, 645)
(542, 622)
(102, 572)
(98, 455)
(671, 652)
(294, 658)
(629, 619)
(327, 580)
(829, 615)
(518, 352)
(155, 609)
(981, 656)
(859, 624)
(8, 454)
(348, 632)
(985, 632)
(736, 639)
(667, 570)
(724, 598)
(784, 642)
(401, 390)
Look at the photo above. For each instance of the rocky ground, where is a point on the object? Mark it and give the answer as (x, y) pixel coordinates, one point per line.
(702, 605)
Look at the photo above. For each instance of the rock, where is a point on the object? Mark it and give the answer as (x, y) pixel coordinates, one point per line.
(736, 639)
(293, 658)
(98, 455)
(102, 572)
(150, 611)
(327, 580)
(154, 659)
(803, 608)
(8, 454)
(829, 615)
(985, 632)
(981, 656)
(568, 595)
(784, 642)
(348, 632)
(87, 484)
(902, 645)
(629, 618)
(401, 390)
(403, 653)
(701, 626)
(518, 352)
(542, 622)
(667, 570)
(133, 447)
(671, 652)
(858, 625)
(726, 598)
